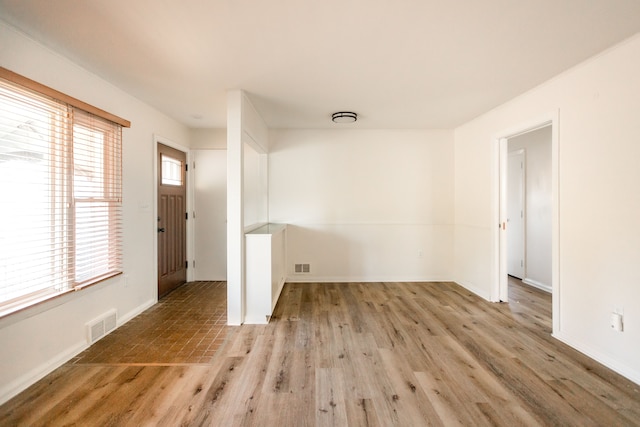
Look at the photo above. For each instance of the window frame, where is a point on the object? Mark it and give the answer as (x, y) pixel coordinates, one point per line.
(78, 114)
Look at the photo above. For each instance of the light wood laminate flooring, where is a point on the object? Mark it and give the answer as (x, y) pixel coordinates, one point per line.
(358, 354)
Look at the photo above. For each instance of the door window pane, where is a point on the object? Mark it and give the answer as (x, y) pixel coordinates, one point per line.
(171, 171)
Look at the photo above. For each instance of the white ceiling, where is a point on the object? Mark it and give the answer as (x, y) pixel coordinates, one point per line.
(397, 63)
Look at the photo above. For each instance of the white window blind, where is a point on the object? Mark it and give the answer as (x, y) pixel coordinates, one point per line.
(60, 198)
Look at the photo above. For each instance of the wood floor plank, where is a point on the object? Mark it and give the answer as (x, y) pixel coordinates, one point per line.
(127, 392)
(507, 415)
(278, 372)
(340, 354)
(443, 400)
(584, 401)
(216, 396)
(172, 400)
(250, 390)
(86, 396)
(330, 398)
(410, 402)
(361, 412)
(50, 391)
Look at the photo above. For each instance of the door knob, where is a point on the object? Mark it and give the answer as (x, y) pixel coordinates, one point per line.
(160, 230)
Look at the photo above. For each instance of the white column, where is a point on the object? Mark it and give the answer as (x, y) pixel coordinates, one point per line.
(235, 210)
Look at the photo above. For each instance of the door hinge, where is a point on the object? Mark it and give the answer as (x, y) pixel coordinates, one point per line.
(186, 167)
(186, 264)
(186, 215)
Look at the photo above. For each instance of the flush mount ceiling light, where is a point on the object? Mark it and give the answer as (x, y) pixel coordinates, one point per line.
(344, 117)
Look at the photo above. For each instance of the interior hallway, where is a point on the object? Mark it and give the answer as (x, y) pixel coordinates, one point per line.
(334, 354)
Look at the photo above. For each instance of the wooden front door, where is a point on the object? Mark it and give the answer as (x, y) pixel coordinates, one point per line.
(172, 222)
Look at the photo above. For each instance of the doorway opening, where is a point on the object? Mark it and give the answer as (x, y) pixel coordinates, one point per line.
(526, 210)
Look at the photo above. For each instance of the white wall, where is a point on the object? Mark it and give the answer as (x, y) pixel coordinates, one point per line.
(208, 139)
(599, 208)
(35, 341)
(256, 203)
(365, 205)
(538, 208)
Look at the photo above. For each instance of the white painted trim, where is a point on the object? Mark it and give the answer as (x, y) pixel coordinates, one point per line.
(52, 303)
(36, 374)
(496, 215)
(235, 210)
(248, 139)
(555, 223)
(536, 284)
(253, 126)
(306, 278)
(481, 292)
(498, 255)
(191, 224)
(613, 364)
(300, 278)
(503, 288)
(250, 228)
(122, 319)
(159, 139)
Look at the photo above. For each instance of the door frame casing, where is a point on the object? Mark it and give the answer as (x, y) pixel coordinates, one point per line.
(158, 139)
(499, 278)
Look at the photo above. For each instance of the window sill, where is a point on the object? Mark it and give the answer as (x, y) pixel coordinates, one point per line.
(38, 302)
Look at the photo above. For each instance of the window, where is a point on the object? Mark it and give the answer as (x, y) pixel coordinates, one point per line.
(60, 197)
(171, 171)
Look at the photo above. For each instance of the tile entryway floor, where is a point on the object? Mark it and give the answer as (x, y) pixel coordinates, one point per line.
(186, 326)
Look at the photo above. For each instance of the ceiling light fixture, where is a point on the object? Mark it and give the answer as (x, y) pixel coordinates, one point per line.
(344, 117)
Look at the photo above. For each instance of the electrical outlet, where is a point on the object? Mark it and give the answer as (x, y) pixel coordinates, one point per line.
(617, 322)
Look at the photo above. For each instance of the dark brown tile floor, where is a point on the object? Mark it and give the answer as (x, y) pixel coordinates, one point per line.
(186, 326)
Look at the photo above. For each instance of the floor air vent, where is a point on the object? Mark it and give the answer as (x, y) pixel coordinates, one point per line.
(302, 268)
(101, 326)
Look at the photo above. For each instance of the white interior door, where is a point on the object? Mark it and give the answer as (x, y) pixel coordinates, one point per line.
(210, 182)
(516, 214)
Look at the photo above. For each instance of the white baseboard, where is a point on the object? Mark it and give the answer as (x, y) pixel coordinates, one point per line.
(133, 313)
(471, 288)
(536, 284)
(301, 278)
(624, 370)
(10, 390)
(305, 278)
(21, 383)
